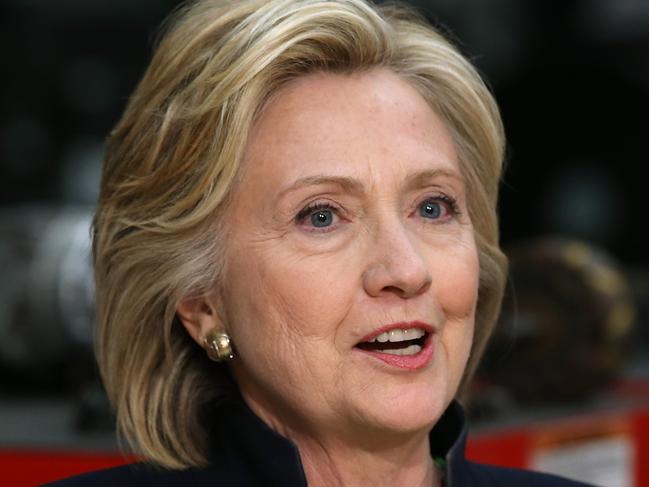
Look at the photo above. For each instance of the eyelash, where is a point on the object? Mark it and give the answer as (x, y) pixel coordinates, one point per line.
(301, 216)
(451, 203)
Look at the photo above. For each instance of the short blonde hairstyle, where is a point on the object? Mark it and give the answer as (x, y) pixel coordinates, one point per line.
(173, 158)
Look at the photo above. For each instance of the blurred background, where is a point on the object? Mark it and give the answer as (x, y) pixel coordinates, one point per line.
(564, 386)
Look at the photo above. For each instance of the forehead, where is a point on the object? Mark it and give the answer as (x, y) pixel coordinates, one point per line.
(347, 122)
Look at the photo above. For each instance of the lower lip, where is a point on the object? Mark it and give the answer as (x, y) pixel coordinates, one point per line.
(410, 362)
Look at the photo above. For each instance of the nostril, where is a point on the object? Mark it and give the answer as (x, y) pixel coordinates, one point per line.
(406, 291)
(394, 290)
(400, 279)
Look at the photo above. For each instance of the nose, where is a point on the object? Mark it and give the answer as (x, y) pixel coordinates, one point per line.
(396, 264)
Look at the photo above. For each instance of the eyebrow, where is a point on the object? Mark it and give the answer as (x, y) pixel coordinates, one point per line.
(423, 178)
(349, 184)
(352, 185)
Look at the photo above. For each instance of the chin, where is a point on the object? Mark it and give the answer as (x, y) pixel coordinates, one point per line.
(408, 409)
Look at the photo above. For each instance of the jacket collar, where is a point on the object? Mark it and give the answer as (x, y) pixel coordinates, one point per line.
(448, 440)
(247, 448)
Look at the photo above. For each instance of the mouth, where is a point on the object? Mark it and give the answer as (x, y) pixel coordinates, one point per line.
(409, 341)
(404, 345)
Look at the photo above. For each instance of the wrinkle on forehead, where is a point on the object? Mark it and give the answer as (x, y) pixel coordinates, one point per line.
(304, 123)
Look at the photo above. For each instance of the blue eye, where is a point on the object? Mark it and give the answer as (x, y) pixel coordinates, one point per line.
(440, 207)
(322, 218)
(319, 215)
(430, 209)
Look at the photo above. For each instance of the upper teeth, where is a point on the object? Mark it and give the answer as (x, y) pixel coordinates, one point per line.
(398, 335)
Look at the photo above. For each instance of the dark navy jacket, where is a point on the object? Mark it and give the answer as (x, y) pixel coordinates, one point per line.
(246, 452)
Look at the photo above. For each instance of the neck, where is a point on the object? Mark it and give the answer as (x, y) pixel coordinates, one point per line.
(346, 458)
(409, 464)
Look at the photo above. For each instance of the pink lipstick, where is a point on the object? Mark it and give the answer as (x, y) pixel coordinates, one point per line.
(404, 345)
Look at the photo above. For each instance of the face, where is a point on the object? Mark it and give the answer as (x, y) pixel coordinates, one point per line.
(350, 217)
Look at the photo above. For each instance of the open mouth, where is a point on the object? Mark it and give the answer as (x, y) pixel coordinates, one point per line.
(397, 342)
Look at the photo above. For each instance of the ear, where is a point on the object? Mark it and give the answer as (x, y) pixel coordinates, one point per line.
(199, 316)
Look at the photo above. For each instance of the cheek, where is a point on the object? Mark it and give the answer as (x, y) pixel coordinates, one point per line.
(284, 316)
(457, 282)
(286, 297)
(457, 292)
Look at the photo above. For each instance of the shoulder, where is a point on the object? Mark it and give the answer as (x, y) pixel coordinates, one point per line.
(140, 475)
(489, 475)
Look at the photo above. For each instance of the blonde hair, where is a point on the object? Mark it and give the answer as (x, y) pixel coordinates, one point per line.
(173, 158)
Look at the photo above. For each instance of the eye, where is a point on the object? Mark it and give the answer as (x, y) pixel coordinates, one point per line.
(317, 216)
(430, 209)
(438, 207)
(322, 218)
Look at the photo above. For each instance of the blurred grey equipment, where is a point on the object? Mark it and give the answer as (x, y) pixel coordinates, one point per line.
(566, 322)
(46, 290)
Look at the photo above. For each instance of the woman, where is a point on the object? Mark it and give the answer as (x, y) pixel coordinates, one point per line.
(306, 191)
